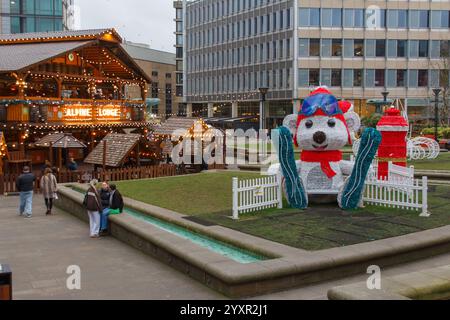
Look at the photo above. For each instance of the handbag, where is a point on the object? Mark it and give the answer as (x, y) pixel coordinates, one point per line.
(55, 196)
(114, 211)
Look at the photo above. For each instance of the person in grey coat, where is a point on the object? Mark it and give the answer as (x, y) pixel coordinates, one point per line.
(49, 188)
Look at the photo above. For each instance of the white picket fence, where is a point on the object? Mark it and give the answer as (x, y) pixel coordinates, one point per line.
(256, 194)
(395, 193)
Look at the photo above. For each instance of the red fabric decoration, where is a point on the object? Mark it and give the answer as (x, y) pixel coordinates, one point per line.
(324, 157)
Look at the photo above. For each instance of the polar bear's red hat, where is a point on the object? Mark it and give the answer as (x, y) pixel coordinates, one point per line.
(321, 102)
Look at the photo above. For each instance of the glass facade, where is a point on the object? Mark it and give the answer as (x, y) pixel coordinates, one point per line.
(36, 16)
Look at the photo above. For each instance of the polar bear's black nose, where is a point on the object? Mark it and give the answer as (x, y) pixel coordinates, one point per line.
(319, 137)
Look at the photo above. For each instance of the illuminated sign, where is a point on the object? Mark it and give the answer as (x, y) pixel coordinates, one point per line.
(84, 113)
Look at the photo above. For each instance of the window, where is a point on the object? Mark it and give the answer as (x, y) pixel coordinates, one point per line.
(379, 77)
(380, 48)
(353, 18)
(336, 47)
(439, 19)
(397, 19)
(423, 48)
(314, 47)
(309, 17)
(326, 48)
(444, 48)
(331, 18)
(401, 78)
(347, 81)
(336, 77)
(44, 7)
(369, 78)
(358, 45)
(325, 77)
(358, 77)
(370, 48)
(314, 77)
(418, 19)
(423, 78)
(412, 78)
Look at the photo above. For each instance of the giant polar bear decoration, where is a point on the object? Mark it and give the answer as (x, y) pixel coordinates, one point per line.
(322, 128)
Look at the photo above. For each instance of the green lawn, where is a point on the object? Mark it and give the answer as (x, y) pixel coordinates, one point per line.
(441, 163)
(208, 197)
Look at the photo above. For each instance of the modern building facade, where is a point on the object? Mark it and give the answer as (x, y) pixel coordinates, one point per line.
(161, 67)
(357, 48)
(26, 16)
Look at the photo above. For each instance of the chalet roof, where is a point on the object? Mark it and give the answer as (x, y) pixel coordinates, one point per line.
(175, 123)
(60, 140)
(16, 57)
(118, 148)
(20, 52)
(67, 35)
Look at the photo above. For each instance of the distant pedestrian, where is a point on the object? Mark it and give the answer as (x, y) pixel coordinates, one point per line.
(105, 194)
(93, 205)
(49, 188)
(46, 165)
(25, 186)
(72, 165)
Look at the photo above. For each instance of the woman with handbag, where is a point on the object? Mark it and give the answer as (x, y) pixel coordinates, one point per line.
(93, 205)
(49, 189)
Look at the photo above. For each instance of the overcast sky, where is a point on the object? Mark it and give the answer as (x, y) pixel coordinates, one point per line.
(144, 21)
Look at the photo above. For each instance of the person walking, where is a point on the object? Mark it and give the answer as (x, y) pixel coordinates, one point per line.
(49, 187)
(25, 186)
(105, 194)
(93, 205)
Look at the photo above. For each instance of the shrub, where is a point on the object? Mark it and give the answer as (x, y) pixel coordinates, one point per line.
(371, 121)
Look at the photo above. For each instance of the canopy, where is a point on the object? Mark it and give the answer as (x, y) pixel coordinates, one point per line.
(61, 140)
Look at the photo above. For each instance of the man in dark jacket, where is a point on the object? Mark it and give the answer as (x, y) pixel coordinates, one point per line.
(25, 186)
(105, 195)
(116, 200)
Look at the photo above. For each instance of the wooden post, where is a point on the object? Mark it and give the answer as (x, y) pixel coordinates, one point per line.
(235, 199)
(138, 156)
(105, 150)
(50, 156)
(60, 159)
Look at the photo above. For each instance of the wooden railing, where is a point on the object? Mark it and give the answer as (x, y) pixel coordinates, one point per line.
(8, 181)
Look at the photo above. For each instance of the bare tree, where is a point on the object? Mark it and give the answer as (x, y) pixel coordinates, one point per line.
(443, 66)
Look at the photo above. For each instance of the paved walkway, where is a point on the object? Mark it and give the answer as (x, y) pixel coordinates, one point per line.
(40, 249)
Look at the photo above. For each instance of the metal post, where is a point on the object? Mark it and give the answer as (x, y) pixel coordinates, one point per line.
(235, 199)
(279, 190)
(436, 91)
(425, 212)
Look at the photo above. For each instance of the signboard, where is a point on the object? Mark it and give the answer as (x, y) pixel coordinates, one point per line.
(87, 113)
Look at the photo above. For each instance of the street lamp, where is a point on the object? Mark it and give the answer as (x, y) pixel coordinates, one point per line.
(385, 101)
(262, 109)
(436, 92)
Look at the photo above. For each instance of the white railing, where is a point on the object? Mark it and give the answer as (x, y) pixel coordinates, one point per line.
(396, 194)
(256, 194)
(399, 174)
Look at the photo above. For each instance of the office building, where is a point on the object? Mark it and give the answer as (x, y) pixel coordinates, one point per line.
(161, 67)
(26, 16)
(359, 49)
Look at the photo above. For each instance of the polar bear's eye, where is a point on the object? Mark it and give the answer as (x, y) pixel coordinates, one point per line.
(309, 124)
(331, 123)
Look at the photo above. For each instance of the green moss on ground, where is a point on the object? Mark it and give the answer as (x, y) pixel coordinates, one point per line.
(208, 197)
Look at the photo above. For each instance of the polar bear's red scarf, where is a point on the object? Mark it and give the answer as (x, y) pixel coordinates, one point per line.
(324, 157)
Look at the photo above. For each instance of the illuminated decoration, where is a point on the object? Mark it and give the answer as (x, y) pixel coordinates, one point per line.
(323, 128)
(81, 113)
(3, 151)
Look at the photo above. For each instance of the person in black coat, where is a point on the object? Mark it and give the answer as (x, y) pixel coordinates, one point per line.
(116, 200)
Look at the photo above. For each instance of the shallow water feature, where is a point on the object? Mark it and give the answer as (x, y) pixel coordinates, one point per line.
(225, 249)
